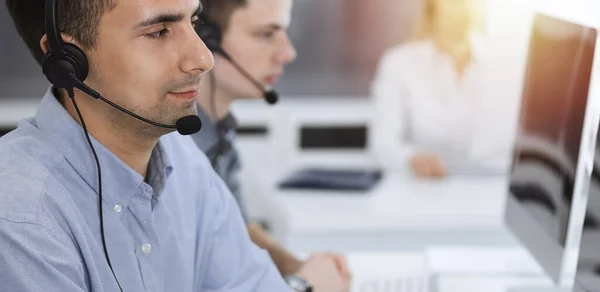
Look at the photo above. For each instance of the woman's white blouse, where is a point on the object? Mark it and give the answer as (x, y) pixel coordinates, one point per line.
(421, 106)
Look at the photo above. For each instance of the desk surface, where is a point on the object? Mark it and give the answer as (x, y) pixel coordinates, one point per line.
(400, 203)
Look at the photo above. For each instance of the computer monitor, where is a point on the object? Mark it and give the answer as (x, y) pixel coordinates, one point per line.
(548, 176)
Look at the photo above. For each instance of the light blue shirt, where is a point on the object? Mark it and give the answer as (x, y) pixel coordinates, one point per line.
(182, 231)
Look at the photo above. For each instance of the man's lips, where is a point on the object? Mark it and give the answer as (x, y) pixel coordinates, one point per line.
(186, 94)
(272, 79)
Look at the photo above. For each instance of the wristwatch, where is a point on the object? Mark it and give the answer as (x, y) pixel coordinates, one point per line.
(298, 284)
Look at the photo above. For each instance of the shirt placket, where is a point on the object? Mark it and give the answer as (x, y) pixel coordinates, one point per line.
(147, 244)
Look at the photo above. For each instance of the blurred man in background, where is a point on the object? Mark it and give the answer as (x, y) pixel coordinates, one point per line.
(251, 46)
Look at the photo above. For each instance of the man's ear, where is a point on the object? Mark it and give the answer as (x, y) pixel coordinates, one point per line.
(44, 44)
(66, 39)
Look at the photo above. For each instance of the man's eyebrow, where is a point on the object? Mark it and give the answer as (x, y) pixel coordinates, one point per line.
(274, 26)
(166, 18)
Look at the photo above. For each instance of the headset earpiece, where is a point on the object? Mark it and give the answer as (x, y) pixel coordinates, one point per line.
(62, 60)
(210, 33)
(58, 67)
(82, 68)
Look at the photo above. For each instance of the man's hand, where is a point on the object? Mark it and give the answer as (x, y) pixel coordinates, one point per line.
(428, 166)
(341, 264)
(326, 272)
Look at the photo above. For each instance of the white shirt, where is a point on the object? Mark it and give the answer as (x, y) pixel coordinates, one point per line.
(421, 106)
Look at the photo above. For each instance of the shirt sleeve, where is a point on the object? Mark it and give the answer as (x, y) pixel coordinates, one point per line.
(236, 263)
(32, 259)
(391, 147)
(241, 203)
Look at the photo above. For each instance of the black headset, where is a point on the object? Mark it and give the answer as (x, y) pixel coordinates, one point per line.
(64, 64)
(211, 34)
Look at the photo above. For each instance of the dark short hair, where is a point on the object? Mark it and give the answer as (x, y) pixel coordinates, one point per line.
(77, 18)
(220, 11)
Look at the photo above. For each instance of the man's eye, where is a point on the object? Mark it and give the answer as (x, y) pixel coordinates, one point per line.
(267, 35)
(158, 34)
(196, 22)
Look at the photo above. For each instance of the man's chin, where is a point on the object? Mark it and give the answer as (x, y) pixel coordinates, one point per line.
(188, 108)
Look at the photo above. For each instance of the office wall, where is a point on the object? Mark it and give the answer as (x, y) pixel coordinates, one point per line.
(20, 76)
(339, 43)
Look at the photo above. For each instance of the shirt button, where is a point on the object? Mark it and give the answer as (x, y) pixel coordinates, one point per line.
(117, 208)
(146, 248)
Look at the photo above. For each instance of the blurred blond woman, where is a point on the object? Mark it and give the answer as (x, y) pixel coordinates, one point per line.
(425, 92)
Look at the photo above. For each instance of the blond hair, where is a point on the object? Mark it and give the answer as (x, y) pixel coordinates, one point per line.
(426, 27)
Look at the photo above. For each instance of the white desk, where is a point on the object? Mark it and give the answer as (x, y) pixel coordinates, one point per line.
(399, 213)
(399, 202)
(488, 284)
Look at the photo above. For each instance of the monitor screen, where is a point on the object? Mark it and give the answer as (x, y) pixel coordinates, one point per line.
(546, 154)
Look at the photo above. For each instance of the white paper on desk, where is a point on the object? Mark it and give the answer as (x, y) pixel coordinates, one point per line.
(482, 261)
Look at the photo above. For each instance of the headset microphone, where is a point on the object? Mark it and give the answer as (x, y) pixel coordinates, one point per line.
(185, 126)
(270, 96)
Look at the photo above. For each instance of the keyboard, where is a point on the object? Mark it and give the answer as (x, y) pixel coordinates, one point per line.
(329, 179)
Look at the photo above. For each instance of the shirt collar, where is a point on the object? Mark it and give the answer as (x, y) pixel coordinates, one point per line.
(208, 137)
(159, 169)
(119, 181)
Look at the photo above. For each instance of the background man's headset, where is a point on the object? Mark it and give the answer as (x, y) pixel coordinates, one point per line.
(66, 66)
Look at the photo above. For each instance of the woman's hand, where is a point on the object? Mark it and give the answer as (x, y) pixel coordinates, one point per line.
(428, 166)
